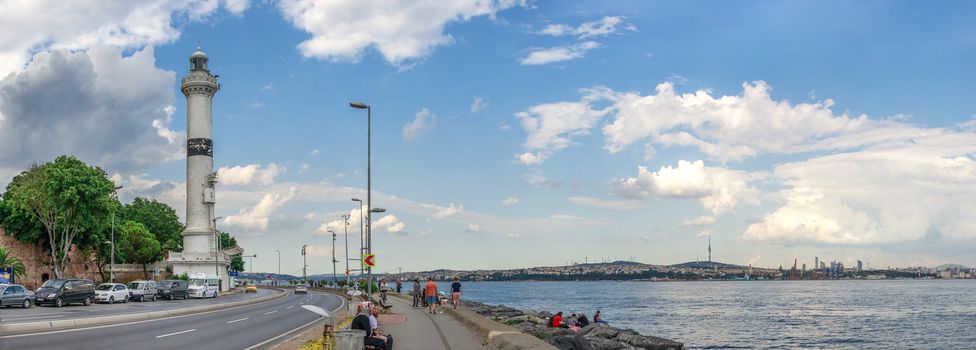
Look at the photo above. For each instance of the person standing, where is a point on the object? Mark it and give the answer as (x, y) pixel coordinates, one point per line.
(456, 291)
(416, 292)
(399, 284)
(431, 292)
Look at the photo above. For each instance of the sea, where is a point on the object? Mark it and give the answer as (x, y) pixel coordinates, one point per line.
(832, 314)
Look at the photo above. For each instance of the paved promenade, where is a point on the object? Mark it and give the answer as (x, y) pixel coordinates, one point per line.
(414, 328)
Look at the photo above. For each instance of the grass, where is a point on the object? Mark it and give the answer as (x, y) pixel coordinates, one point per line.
(316, 344)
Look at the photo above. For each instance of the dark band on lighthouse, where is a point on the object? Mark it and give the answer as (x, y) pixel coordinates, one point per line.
(199, 147)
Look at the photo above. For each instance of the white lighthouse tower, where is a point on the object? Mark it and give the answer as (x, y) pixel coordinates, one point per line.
(200, 238)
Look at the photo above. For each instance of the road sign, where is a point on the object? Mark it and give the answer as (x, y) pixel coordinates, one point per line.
(369, 260)
(233, 274)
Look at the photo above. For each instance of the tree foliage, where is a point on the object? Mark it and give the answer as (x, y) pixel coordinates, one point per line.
(160, 219)
(58, 204)
(237, 263)
(227, 241)
(143, 248)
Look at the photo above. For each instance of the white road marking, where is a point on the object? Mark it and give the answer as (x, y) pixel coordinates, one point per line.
(268, 313)
(180, 332)
(238, 320)
(283, 334)
(290, 307)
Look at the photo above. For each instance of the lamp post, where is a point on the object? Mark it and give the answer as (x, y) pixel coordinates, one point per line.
(334, 261)
(304, 264)
(369, 188)
(252, 261)
(279, 267)
(216, 247)
(362, 234)
(111, 271)
(345, 233)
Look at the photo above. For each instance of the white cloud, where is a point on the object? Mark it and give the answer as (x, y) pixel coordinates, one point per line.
(450, 210)
(256, 218)
(536, 179)
(319, 250)
(402, 31)
(97, 105)
(703, 233)
(605, 203)
(718, 189)
(473, 228)
(882, 194)
(550, 127)
(606, 26)
(390, 223)
(337, 225)
(237, 7)
(244, 175)
(703, 220)
(478, 104)
(511, 200)
(558, 53)
(33, 26)
(423, 122)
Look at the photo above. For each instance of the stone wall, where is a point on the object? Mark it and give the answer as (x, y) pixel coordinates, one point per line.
(37, 262)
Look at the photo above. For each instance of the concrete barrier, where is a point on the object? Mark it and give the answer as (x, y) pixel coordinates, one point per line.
(497, 335)
(45, 326)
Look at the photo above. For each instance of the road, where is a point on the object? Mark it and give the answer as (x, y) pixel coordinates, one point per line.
(255, 326)
(36, 313)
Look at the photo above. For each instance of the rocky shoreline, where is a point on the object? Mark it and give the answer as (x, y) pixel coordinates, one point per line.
(592, 337)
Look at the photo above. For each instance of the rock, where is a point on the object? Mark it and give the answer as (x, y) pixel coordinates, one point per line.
(524, 318)
(607, 344)
(600, 330)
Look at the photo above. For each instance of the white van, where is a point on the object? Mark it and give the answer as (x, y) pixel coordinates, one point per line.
(203, 286)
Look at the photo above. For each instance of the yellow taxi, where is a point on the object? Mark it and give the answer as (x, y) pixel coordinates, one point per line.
(251, 289)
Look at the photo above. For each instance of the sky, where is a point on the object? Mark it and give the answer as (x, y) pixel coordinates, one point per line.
(524, 133)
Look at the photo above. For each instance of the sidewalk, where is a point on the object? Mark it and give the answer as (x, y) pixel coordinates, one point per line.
(414, 328)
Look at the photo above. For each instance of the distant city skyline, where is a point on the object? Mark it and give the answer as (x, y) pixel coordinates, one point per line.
(513, 134)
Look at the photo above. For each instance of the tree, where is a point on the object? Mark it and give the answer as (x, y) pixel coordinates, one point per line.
(58, 204)
(237, 263)
(143, 248)
(160, 219)
(8, 260)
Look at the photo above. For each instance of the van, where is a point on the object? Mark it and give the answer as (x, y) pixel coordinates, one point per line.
(172, 289)
(202, 285)
(59, 292)
(142, 290)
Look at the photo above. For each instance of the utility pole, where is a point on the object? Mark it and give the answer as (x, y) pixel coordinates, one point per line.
(279, 267)
(304, 264)
(216, 247)
(345, 233)
(334, 261)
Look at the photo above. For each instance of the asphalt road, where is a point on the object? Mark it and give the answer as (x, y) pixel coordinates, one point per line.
(14, 315)
(255, 326)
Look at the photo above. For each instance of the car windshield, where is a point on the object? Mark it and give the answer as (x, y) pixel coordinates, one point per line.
(105, 287)
(53, 284)
(164, 285)
(198, 283)
(134, 285)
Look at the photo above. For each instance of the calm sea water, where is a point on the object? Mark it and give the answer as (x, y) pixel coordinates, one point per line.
(893, 314)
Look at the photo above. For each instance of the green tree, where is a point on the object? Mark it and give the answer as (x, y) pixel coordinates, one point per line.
(143, 248)
(8, 260)
(237, 263)
(160, 219)
(57, 205)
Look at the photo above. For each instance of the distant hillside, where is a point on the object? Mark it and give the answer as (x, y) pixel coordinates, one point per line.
(950, 267)
(707, 265)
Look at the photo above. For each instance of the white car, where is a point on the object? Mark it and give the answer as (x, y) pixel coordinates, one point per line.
(301, 288)
(111, 292)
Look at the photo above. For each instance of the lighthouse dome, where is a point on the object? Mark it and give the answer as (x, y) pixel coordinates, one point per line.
(198, 60)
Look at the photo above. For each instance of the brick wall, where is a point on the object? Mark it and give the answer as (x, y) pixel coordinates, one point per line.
(37, 262)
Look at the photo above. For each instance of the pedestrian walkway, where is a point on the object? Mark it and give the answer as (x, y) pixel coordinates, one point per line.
(416, 329)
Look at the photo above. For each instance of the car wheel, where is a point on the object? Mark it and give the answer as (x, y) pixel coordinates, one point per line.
(125, 300)
(154, 297)
(26, 304)
(87, 301)
(111, 300)
(59, 302)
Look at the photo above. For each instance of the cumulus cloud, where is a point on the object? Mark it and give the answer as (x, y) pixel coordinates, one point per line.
(880, 194)
(256, 218)
(98, 105)
(472, 228)
(605, 203)
(605, 26)
(422, 123)
(718, 189)
(552, 126)
(33, 26)
(703, 220)
(402, 31)
(478, 104)
(319, 250)
(511, 200)
(539, 56)
(537, 180)
(390, 224)
(244, 175)
(450, 210)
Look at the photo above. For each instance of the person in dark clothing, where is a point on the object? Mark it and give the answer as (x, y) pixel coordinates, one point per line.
(582, 321)
(416, 293)
(361, 322)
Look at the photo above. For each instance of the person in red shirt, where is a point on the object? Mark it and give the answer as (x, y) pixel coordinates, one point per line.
(557, 321)
(430, 290)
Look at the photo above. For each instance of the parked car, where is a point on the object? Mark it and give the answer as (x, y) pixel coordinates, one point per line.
(59, 292)
(15, 294)
(111, 292)
(172, 289)
(142, 290)
(203, 285)
(251, 289)
(301, 288)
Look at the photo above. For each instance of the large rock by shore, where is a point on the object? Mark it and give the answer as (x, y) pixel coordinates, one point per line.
(592, 337)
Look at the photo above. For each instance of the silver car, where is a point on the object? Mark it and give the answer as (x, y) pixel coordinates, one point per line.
(301, 288)
(141, 290)
(15, 294)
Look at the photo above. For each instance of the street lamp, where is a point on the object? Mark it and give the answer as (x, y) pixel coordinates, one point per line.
(362, 235)
(279, 267)
(369, 183)
(111, 271)
(252, 261)
(216, 247)
(334, 261)
(345, 230)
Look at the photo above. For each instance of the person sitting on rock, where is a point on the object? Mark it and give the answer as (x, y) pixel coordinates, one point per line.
(582, 321)
(557, 321)
(597, 318)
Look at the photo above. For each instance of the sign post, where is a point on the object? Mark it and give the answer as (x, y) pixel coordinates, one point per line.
(369, 260)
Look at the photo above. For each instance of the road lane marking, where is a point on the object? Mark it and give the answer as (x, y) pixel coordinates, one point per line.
(268, 313)
(175, 333)
(290, 307)
(238, 320)
(255, 346)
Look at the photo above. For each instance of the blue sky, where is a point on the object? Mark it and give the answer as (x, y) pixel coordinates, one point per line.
(511, 134)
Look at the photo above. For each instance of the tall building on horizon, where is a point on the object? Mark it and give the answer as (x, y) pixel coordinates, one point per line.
(816, 262)
(709, 248)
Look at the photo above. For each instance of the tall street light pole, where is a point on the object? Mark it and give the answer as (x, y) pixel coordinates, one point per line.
(279, 267)
(362, 235)
(111, 271)
(251, 261)
(369, 189)
(216, 247)
(334, 261)
(345, 233)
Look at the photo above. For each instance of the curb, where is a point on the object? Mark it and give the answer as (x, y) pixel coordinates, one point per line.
(497, 335)
(341, 313)
(46, 326)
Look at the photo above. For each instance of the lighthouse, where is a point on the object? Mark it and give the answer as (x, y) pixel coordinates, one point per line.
(201, 251)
